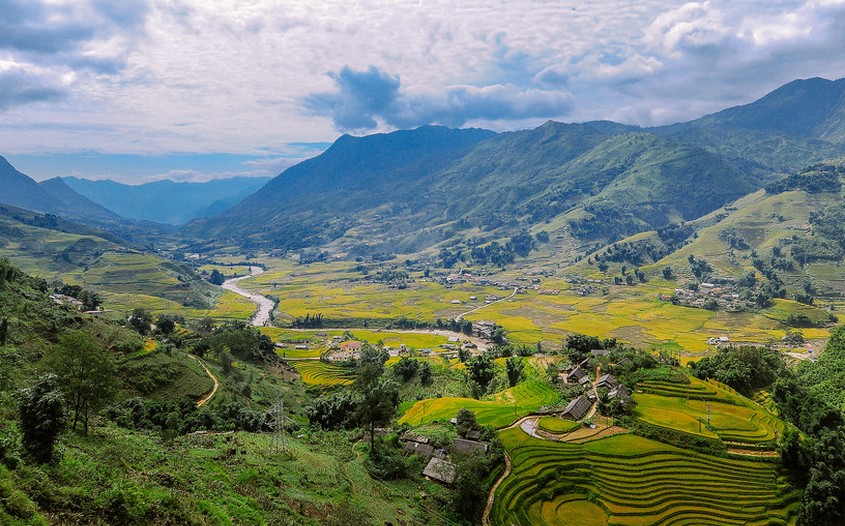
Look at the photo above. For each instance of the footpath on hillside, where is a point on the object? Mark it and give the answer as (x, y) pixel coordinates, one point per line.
(208, 397)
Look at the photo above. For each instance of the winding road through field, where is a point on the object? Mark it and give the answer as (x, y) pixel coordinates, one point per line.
(461, 315)
(265, 304)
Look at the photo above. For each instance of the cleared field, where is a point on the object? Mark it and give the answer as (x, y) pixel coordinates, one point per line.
(498, 411)
(631, 481)
(315, 372)
(686, 408)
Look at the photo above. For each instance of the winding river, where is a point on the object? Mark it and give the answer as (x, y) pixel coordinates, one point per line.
(265, 304)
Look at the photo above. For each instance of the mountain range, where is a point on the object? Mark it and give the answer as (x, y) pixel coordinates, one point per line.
(591, 183)
(166, 201)
(433, 188)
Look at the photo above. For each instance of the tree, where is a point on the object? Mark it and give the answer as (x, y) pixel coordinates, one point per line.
(480, 371)
(42, 414)
(466, 422)
(141, 321)
(469, 493)
(90, 300)
(514, 368)
(463, 355)
(667, 272)
(217, 278)
(376, 404)
(406, 368)
(4, 331)
(86, 374)
(166, 324)
(425, 373)
(552, 372)
(332, 411)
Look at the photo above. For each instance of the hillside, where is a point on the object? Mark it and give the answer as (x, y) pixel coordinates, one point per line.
(148, 457)
(594, 183)
(54, 248)
(796, 125)
(411, 190)
(167, 201)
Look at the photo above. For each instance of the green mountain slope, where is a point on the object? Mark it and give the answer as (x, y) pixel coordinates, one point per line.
(315, 201)
(411, 190)
(54, 248)
(798, 124)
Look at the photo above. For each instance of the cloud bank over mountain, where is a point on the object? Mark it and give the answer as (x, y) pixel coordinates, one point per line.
(161, 77)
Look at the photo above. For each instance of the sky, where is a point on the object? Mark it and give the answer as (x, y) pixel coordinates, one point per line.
(141, 90)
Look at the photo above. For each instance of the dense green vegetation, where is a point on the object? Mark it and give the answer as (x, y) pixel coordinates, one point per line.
(134, 460)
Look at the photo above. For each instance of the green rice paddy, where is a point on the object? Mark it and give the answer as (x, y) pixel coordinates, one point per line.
(627, 480)
(687, 408)
(498, 411)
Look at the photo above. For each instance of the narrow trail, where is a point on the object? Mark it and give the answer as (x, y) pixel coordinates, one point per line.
(489, 506)
(210, 375)
(461, 315)
(265, 304)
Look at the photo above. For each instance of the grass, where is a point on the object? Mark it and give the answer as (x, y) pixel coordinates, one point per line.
(164, 377)
(116, 476)
(629, 480)
(686, 408)
(498, 411)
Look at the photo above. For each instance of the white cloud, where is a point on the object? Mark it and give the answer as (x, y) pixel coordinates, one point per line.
(154, 76)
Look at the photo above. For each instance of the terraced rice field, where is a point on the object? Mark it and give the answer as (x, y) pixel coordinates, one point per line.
(558, 425)
(315, 372)
(499, 411)
(685, 408)
(625, 480)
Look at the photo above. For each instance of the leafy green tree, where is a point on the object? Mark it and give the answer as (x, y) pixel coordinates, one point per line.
(480, 371)
(466, 422)
(334, 411)
(463, 355)
(166, 324)
(42, 415)
(376, 404)
(86, 374)
(552, 372)
(141, 321)
(217, 278)
(469, 493)
(425, 373)
(90, 300)
(514, 368)
(4, 331)
(406, 368)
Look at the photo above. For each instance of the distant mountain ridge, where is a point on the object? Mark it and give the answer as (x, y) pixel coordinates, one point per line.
(593, 183)
(52, 196)
(167, 201)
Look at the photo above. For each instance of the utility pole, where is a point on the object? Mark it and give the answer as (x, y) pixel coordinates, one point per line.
(277, 414)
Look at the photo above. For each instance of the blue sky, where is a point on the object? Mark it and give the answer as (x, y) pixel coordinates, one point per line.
(141, 90)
